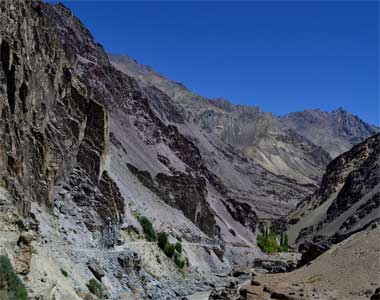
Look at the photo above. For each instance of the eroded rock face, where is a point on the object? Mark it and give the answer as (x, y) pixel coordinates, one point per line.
(185, 192)
(347, 200)
(49, 123)
(311, 250)
(24, 253)
(243, 213)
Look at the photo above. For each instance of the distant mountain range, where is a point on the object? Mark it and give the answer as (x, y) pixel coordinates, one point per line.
(298, 145)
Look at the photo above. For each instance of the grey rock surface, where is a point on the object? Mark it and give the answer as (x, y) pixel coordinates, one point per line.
(347, 200)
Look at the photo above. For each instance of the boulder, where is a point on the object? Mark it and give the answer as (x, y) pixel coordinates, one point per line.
(311, 250)
(273, 266)
(376, 295)
(95, 268)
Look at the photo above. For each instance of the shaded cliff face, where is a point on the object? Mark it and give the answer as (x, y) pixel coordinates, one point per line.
(50, 124)
(347, 200)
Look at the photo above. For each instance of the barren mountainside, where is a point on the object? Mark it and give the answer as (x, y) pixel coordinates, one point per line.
(336, 131)
(298, 145)
(95, 155)
(347, 200)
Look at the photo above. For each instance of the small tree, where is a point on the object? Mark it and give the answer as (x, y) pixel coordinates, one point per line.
(266, 235)
(178, 247)
(272, 232)
(64, 273)
(180, 263)
(169, 250)
(162, 239)
(95, 288)
(148, 229)
(285, 245)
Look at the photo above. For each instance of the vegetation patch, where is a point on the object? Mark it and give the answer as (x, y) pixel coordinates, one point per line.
(148, 229)
(268, 241)
(11, 286)
(178, 247)
(173, 251)
(169, 250)
(64, 273)
(162, 239)
(95, 288)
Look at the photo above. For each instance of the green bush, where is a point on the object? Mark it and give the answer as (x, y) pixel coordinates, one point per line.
(187, 262)
(180, 263)
(64, 273)
(148, 229)
(169, 250)
(178, 247)
(172, 250)
(162, 239)
(95, 288)
(11, 286)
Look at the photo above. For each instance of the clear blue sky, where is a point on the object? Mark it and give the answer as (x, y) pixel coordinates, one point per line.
(281, 56)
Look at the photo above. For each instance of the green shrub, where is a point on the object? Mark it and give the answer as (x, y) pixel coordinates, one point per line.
(178, 247)
(148, 229)
(11, 286)
(162, 239)
(95, 288)
(187, 262)
(64, 273)
(169, 250)
(180, 263)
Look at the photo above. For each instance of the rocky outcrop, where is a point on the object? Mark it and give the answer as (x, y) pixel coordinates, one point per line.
(273, 266)
(376, 295)
(311, 250)
(51, 124)
(24, 254)
(185, 192)
(347, 200)
(243, 213)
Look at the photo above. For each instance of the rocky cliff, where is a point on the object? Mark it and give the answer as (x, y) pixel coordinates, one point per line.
(347, 200)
